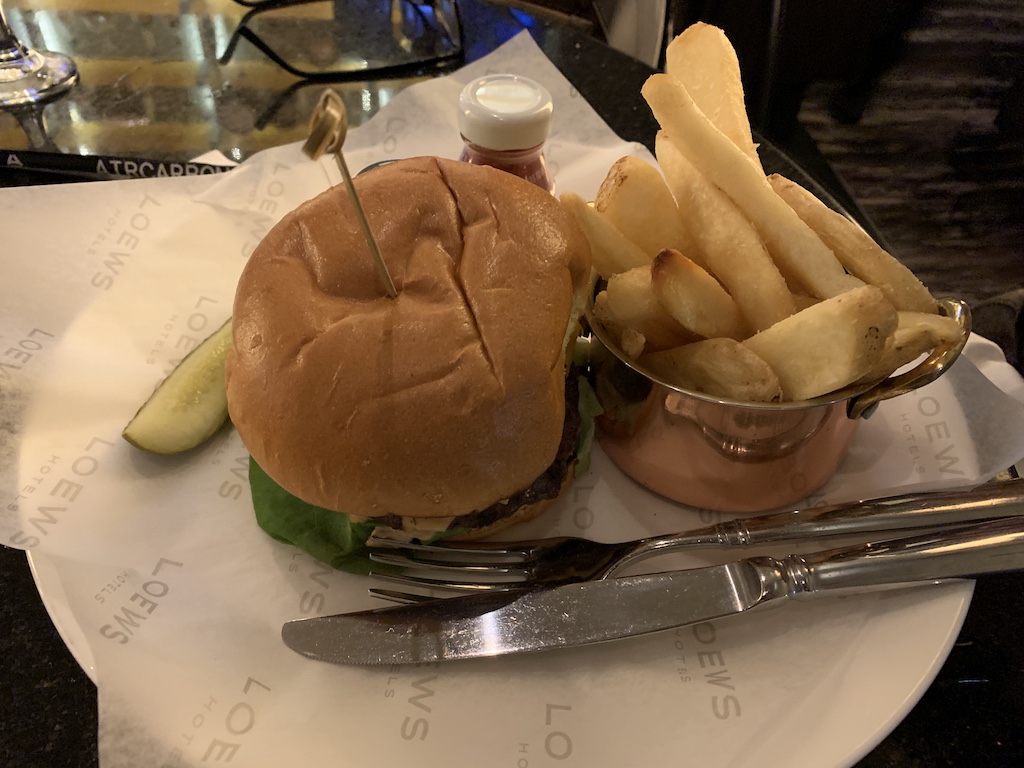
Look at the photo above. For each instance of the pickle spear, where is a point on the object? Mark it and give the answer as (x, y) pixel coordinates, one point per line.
(190, 405)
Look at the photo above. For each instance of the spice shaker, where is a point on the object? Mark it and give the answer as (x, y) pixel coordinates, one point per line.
(505, 121)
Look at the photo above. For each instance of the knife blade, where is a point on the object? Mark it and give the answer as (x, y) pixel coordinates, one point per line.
(525, 619)
(531, 619)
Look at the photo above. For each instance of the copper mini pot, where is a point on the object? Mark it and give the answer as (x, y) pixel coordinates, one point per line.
(736, 456)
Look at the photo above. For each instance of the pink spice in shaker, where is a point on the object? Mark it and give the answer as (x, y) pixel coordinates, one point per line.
(505, 121)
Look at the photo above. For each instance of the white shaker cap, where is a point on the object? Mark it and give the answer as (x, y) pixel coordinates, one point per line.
(505, 112)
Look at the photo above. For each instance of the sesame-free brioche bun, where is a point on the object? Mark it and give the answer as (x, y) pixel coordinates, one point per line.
(439, 402)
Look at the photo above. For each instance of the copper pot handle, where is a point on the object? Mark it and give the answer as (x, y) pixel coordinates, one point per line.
(927, 371)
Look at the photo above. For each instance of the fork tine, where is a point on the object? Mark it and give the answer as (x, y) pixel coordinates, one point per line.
(466, 569)
(425, 582)
(407, 598)
(395, 596)
(489, 551)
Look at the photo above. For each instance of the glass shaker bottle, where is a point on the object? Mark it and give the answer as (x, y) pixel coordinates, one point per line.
(504, 121)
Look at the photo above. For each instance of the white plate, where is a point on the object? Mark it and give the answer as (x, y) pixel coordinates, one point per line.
(828, 714)
(46, 574)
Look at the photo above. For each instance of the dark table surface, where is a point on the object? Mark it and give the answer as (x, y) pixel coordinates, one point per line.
(124, 107)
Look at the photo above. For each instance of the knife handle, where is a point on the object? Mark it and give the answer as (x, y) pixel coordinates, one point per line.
(989, 547)
(917, 510)
(906, 512)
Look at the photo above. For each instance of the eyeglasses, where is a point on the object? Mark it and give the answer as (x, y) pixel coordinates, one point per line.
(352, 40)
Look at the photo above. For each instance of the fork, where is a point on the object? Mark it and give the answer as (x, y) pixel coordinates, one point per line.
(494, 565)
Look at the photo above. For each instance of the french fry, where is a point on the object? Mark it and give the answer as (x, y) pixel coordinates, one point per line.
(916, 333)
(794, 246)
(718, 367)
(704, 61)
(855, 249)
(827, 305)
(829, 345)
(629, 297)
(732, 249)
(612, 251)
(803, 302)
(630, 340)
(694, 298)
(635, 198)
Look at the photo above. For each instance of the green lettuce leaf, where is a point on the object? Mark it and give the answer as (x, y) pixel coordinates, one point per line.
(590, 409)
(330, 537)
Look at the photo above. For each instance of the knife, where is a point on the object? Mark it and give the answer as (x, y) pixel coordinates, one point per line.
(534, 619)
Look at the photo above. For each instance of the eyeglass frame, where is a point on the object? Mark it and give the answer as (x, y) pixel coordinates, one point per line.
(430, 65)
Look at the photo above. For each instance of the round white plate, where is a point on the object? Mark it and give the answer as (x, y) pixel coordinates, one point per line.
(833, 717)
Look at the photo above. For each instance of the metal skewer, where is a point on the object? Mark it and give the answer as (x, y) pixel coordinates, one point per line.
(327, 130)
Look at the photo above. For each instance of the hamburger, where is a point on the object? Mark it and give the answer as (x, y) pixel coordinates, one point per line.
(451, 410)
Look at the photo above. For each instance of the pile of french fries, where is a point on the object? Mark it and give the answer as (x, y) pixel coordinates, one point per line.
(723, 280)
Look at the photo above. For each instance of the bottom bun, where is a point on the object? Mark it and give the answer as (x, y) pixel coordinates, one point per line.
(522, 514)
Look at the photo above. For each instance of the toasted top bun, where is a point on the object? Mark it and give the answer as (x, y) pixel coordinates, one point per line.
(439, 402)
